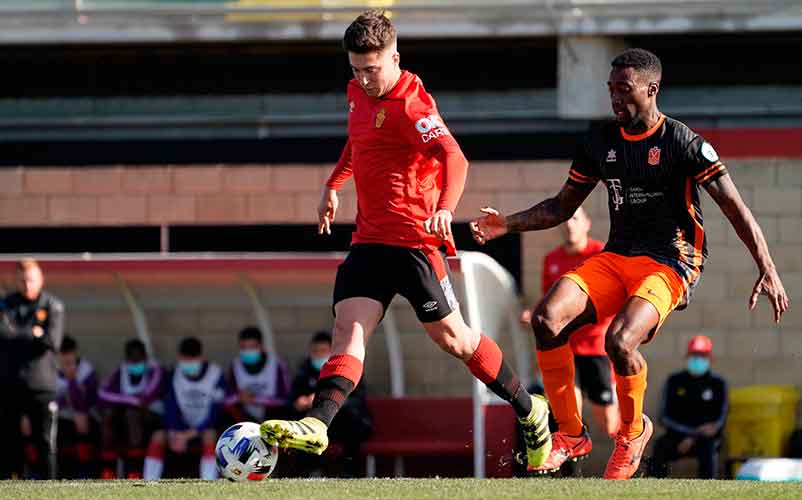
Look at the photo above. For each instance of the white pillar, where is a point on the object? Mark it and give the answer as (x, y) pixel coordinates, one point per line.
(583, 66)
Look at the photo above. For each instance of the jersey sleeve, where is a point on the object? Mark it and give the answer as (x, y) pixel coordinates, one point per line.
(703, 162)
(425, 131)
(584, 173)
(342, 171)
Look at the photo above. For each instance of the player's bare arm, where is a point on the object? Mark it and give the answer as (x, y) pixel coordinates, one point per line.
(726, 195)
(546, 214)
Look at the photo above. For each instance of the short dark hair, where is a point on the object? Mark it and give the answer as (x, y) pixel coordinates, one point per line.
(641, 60)
(321, 336)
(251, 333)
(372, 31)
(68, 345)
(190, 346)
(135, 346)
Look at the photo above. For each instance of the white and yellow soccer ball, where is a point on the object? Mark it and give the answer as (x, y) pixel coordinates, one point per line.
(242, 454)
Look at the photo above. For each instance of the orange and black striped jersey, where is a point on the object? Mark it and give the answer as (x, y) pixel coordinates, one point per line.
(652, 184)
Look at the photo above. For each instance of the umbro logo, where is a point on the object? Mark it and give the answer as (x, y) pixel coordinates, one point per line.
(611, 156)
(430, 306)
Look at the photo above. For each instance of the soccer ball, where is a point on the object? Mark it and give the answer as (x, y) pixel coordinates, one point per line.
(242, 454)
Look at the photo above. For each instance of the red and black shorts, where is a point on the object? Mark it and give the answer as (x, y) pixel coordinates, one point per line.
(379, 272)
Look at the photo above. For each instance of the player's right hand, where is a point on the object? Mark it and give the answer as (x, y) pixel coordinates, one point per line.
(492, 225)
(770, 285)
(327, 210)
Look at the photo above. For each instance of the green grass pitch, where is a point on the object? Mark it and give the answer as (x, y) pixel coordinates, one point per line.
(438, 489)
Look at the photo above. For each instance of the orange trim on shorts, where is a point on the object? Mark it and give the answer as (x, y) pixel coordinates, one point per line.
(646, 134)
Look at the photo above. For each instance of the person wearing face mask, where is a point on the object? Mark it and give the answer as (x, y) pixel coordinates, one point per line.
(195, 393)
(31, 328)
(132, 412)
(694, 408)
(258, 381)
(351, 426)
(76, 397)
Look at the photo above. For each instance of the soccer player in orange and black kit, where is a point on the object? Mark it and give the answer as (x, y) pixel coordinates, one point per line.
(409, 174)
(653, 167)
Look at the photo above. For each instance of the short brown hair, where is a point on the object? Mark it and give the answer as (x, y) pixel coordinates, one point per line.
(26, 264)
(372, 31)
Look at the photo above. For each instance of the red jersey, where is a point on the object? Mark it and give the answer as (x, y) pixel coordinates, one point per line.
(405, 163)
(588, 340)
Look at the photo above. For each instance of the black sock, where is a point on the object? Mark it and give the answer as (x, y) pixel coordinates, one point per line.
(330, 396)
(508, 387)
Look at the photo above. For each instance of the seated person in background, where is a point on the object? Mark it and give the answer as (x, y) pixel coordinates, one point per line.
(194, 395)
(352, 425)
(258, 382)
(131, 411)
(76, 394)
(694, 408)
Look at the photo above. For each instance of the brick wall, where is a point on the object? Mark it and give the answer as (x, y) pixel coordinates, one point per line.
(749, 347)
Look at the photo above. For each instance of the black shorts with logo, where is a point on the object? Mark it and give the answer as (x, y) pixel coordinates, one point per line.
(593, 377)
(380, 272)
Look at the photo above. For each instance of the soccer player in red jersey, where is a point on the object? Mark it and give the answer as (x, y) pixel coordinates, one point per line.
(591, 364)
(409, 174)
(652, 167)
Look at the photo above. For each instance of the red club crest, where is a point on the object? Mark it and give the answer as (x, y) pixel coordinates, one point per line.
(654, 156)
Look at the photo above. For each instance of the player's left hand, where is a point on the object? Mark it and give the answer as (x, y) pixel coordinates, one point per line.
(770, 285)
(439, 224)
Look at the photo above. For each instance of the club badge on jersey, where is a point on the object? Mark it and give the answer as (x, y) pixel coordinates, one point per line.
(654, 156)
(381, 114)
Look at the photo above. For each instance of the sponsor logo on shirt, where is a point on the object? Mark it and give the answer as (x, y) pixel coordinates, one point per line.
(614, 186)
(611, 156)
(431, 127)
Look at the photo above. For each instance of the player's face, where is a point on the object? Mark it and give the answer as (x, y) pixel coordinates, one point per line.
(629, 94)
(29, 282)
(376, 72)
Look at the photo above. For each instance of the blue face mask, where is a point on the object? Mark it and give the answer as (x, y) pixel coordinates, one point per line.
(135, 369)
(698, 365)
(250, 356)
(317, 363)
(190, 368)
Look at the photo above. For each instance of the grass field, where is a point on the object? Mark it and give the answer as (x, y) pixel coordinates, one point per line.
(439, 489)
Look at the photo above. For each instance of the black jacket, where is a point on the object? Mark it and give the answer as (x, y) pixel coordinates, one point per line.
(689, 402)
(28, 360)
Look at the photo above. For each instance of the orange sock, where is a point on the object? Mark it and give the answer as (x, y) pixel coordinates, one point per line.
(557, 368)
(630, 390)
